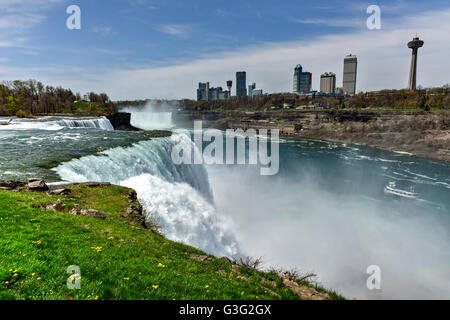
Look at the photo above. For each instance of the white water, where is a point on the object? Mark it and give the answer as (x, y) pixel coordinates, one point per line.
(100, 123)
(178, 196)
(152, 120)
(151, 117)
(51, 124)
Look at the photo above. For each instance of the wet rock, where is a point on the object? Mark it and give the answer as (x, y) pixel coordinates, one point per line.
(37, 185)
(93, 213)
(11, 184)
(61, 192)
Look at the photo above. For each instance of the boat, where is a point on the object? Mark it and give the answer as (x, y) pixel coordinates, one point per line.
(392, 188)
(5, 123)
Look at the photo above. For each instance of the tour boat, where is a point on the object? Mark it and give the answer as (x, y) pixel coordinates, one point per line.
(391, 188)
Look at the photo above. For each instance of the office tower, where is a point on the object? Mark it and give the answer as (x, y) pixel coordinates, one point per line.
(241, 84)
(350, 71)
(415, 44)
(251, 88)
(302, 80)
(328, 82)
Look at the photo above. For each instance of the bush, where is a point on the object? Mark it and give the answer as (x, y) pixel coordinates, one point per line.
(23, 114)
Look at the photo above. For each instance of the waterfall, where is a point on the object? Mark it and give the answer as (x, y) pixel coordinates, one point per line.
(178, 195)
(100, 123)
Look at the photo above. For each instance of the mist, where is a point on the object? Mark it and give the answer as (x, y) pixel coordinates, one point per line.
(154, 115)
(333, 221)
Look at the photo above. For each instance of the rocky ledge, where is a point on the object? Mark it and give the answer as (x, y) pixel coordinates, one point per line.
(122, 121)
(134, 210)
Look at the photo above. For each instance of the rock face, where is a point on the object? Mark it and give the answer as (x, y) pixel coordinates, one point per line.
(93, 213)
(122, 121)
(79, 211)
(57, 206)
(134, 209)
(11, 184)
(96, 184)
(60, 192)
(35, 184)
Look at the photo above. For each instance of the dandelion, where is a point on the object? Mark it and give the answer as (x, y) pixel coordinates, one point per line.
(160, 265)
(33, 274)
(38, 242)
(155, 286)
(6, 282)
(39, 278)
(97, 249)
(96, 298)
(126, 278)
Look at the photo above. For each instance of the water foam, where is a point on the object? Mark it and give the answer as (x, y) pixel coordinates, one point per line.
(101, 123)
(178, 195)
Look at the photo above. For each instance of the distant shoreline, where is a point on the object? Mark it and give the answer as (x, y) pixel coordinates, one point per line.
(425, 135)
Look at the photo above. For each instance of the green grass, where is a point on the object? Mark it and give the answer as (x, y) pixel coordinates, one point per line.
(37, 247)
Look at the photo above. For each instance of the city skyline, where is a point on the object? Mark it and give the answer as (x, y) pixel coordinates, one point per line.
(159, 53)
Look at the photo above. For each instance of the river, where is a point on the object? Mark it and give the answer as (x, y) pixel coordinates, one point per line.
(324, 212)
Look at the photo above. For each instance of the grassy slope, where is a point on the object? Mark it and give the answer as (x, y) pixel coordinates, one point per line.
(40, 245)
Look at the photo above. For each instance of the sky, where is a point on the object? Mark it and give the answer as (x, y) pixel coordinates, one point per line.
(137, 49)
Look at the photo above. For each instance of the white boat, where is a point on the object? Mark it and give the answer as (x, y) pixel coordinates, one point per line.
(391, 188)
(5, 123)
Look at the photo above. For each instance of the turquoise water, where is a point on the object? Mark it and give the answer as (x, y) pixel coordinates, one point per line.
(325, 211)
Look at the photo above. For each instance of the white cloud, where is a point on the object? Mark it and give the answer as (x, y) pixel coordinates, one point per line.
(383, 63)
(354, 23)
(177, 30)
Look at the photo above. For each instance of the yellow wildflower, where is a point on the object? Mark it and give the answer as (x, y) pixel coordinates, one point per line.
(126, 278)
(33, 274)
(155, 286)
(160, 265)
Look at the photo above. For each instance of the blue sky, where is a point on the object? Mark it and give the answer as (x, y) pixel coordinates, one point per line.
(165, 43)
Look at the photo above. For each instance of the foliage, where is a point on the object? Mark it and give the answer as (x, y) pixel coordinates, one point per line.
(118, 258)
(35, 98)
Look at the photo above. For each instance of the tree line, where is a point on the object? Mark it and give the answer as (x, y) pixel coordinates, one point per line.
(423, 99)
(31, 97)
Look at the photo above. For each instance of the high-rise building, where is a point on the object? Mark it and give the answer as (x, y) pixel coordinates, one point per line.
(328, 82)
(253, 91)
(241, 84)
(415, 44)
(251, 88)
(302, 80)
(205, 93)
(350, 71)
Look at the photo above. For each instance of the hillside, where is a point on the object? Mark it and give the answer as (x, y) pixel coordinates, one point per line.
(118, 256)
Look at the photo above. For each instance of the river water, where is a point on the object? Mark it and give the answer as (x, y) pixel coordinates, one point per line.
(324, 212)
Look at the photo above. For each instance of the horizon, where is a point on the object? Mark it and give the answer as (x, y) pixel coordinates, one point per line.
(162, 49)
